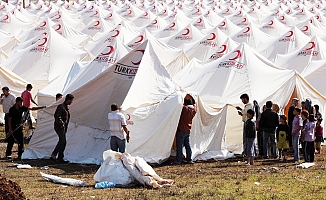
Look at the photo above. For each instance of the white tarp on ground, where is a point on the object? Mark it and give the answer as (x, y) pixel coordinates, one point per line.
(152, 103)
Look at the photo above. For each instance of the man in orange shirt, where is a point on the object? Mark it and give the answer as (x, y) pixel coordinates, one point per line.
(183, 134)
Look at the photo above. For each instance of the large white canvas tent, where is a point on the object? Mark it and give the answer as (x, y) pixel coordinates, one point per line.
(142, 97)
(221, 82)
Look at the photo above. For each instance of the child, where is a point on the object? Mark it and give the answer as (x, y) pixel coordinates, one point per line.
(296, 132)
(282, 136)
(319, 135)
(250, 136)
(309, 139)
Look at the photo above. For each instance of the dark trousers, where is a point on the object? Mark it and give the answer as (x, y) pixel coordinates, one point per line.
(6, 124)
(183, 139)
(116, 143)
(309, 151)
(18, 137)
(61, 145)
(29, 119)
(260, 141)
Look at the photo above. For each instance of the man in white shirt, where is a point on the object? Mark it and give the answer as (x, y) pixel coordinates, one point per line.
(243, 112)
(7, 101)
(117, 127)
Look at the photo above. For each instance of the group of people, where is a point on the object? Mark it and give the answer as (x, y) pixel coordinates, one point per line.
(17, 111)
(278, 134)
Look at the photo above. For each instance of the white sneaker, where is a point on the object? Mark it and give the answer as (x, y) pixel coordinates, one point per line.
(247, 164)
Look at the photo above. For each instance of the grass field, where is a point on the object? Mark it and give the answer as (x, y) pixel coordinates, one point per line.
(228, 179)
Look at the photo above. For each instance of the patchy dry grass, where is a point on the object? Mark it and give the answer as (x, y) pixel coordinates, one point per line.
(228, 179)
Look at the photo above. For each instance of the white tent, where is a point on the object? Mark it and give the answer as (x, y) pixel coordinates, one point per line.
(315, 74)
(244, 70)
(274, 28)
(96, 26)
(45, 59)
(142, 97)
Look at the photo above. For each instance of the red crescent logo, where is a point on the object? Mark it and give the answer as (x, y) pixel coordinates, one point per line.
(45, 40)
(117, 33)
(92, 8)
(312, 9)
(248, 29)
(188, 31)
(237, 56)
(317, 17)
(109, 6)
(208, 12)
(244, 20)
(213, 36)
(288, 11)
(141, 39)
(306, 28)
(59, 16)
(130, 11)
(59, 27)
(282, 18)
(164, 11)
(109, 52)
(297, 6)
(239, 13)
(84, 6)
(128, 117)
(7, 17)
(252, 9)
(277, 12)
(271, 23)
(200, 20)
(154, 22)
(128, 7)
(224, 49)
(110, 15)
(97, 23)
(146, 13)
(291, 33)
(312, 46)
(44, 23)
(301, 11)
(223, 24)
(227, 10)
(311, 21)
(198, 10)
(96, 13)
(137, 63)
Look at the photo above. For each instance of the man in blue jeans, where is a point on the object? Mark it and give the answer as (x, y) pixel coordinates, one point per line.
(183, 134)
(117, 127)
(268, 122)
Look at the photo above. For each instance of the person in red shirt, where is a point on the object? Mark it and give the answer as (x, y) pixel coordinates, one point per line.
(27, 99)
(183, 134)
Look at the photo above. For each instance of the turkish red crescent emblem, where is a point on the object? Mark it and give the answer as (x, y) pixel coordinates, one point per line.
(213, 36)
(200, 20)
(223, 49)
(253, 9)
(44, 23)
(137, 63)
(208, 12)
(128, 7)
(237, 56)
(154, 22)
(239, 13)
(173, 25)
(291, 33)
(310, 21)
(187, 31)
(317, 17)
(109, 52)
(7, 17)
(141, 39)
(45, 40)
(146, 13)
(92, 8)
(198, 10)
(282, 18)
(244, 20)
(97, 23)
(271, 23)
(312, 9)
(96, 12)
(227, 10)
(109, 6)
(288, 11)
(312, 46)
(117, 33)
(277, 12)
(248, 29)
(59, 27)
(305, 28)
(84, 6)
(223, 24)
(110, 15)
(301, 11)
(128, 117)
(164, 11)
(130, 11)
(59, 16)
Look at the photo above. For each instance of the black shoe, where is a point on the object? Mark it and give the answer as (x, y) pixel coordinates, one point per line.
(63, 161)
(54, 160)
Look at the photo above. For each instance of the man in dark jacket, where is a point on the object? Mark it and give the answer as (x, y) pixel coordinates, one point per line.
(268, 122)
(61, 121)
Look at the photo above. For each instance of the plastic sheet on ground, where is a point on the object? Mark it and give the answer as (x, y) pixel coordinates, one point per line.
(67, 181)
